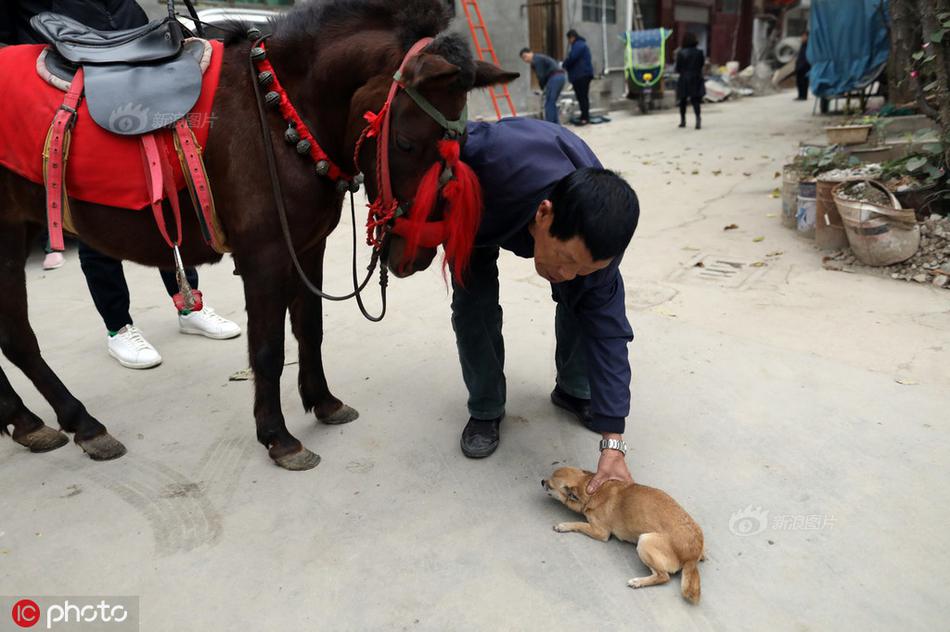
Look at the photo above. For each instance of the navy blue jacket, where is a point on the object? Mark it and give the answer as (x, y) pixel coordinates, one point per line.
(518, 161)
(578, 63)
(104, 15)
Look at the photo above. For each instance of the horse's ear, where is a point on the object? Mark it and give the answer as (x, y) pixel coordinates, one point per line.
(428, 67)
(489, 75)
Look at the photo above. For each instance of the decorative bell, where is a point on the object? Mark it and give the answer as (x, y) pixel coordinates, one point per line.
(272, 99)
(359, 179)
(292, 136)
(323, 168)
(258, 54)
(265, 78)
(254, 34)
(354, 186)
(342, 186)
(303, 147)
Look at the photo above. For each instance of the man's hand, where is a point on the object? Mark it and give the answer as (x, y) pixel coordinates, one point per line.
(611, 467)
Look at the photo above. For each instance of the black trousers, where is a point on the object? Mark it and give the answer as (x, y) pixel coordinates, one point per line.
(801, 80)
(697, 107)
(582, 90)
(110, 292)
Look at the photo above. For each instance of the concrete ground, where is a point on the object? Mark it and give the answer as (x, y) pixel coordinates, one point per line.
(800, 415)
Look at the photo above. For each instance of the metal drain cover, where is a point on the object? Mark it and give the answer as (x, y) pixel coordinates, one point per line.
(720, 270)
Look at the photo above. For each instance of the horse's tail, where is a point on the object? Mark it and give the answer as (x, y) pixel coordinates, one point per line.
(690, 582)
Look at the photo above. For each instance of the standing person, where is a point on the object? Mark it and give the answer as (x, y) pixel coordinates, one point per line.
(104, 275)
(551, 79)
(802, 68)
(548, 198)
(691, 86)
(580, 72)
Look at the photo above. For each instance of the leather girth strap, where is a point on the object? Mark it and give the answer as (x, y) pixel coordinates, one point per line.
(55, 154)
(196, 177)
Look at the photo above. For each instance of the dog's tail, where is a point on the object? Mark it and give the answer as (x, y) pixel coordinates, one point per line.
(690, 582)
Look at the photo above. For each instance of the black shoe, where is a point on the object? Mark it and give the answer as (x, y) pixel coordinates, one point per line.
(480, 437)
(682, 124)
(580, 408)
(699, 125)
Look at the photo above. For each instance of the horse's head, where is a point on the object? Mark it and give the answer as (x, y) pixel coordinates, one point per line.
(410, 154)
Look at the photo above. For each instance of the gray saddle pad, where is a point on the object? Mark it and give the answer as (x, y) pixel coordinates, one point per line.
(137, 99)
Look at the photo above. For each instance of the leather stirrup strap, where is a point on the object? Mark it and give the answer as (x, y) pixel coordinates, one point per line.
(161, 183)
(196, 177)
(55, 153)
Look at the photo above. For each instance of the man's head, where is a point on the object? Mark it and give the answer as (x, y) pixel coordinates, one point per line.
(572, 36)
(526, 55)
(587, 221)
(805, 36)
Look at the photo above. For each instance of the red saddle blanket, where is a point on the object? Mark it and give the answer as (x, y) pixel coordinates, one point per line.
(103, 168)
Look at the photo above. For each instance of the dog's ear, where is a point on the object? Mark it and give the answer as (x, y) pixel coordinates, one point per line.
(587, 473)
(572, 494)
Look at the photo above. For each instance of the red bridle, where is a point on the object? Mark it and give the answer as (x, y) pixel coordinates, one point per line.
(450, 177)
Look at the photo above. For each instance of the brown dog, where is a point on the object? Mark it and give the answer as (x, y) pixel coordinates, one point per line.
(667, 538)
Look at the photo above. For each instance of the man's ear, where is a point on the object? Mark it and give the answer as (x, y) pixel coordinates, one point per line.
(487, 74)
(428, 67)
(545, 212)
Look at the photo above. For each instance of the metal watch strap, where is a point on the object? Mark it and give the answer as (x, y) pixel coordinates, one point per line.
(613, 444)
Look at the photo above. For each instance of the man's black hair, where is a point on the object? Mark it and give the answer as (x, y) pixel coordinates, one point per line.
(598, 205)
(572, 33)
(524, 50)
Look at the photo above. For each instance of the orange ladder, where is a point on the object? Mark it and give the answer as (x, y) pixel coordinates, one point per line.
(499, 94)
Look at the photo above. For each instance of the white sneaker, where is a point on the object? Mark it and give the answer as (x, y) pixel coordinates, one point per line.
(208, 324)
(132, 350)
(53, 261)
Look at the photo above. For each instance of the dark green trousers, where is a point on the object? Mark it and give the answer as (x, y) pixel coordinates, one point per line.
(477, 321)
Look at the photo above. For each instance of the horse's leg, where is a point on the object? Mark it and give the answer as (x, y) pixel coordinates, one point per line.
(28, 429)
(306, 318)
(18, 343)
(266, 295)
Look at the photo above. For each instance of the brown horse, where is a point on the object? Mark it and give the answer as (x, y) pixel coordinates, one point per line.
(336, 60)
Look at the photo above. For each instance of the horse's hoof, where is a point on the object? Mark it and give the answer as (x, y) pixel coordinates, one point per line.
(342, 416)
(45, 439)
(102, 448)
(299, 461)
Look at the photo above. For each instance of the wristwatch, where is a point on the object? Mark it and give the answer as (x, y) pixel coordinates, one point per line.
(614, 444)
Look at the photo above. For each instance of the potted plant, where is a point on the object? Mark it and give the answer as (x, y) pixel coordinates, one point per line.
(915, 178)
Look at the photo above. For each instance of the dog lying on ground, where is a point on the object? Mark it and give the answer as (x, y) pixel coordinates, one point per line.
(666, 536)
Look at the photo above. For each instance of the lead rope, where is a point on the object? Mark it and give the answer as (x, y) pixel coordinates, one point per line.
(285, 225)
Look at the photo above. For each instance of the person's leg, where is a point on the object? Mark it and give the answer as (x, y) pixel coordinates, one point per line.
(551, 93)
(697, 104)
(107, 286)
(582, 89)
(477, 321)
(802, 81)
(683, 112)
(570, 355)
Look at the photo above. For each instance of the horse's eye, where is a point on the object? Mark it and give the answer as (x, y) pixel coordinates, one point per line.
(403, 144)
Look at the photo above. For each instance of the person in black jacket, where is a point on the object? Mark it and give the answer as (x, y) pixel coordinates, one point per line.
(691, 86)
(580, 72)
(104, 275)
(802, 68)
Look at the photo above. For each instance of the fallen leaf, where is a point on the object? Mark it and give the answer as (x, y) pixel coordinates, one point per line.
(758, 239)
(746, 174)
(777, 253)
(717, 172)
(695, 172)
(699, 264)
(730, 227)
(778, 174)
(242, 376)
(771, 215)
(776, 193)
(758, 264)
(691, 248)
(906, 381)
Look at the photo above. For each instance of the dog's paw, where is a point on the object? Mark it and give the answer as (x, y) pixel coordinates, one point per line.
(636, 582)
(561, 527)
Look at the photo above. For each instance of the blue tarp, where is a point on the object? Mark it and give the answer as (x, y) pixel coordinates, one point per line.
(848, 44)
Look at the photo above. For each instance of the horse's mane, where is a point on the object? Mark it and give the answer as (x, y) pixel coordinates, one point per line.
(412, 19)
